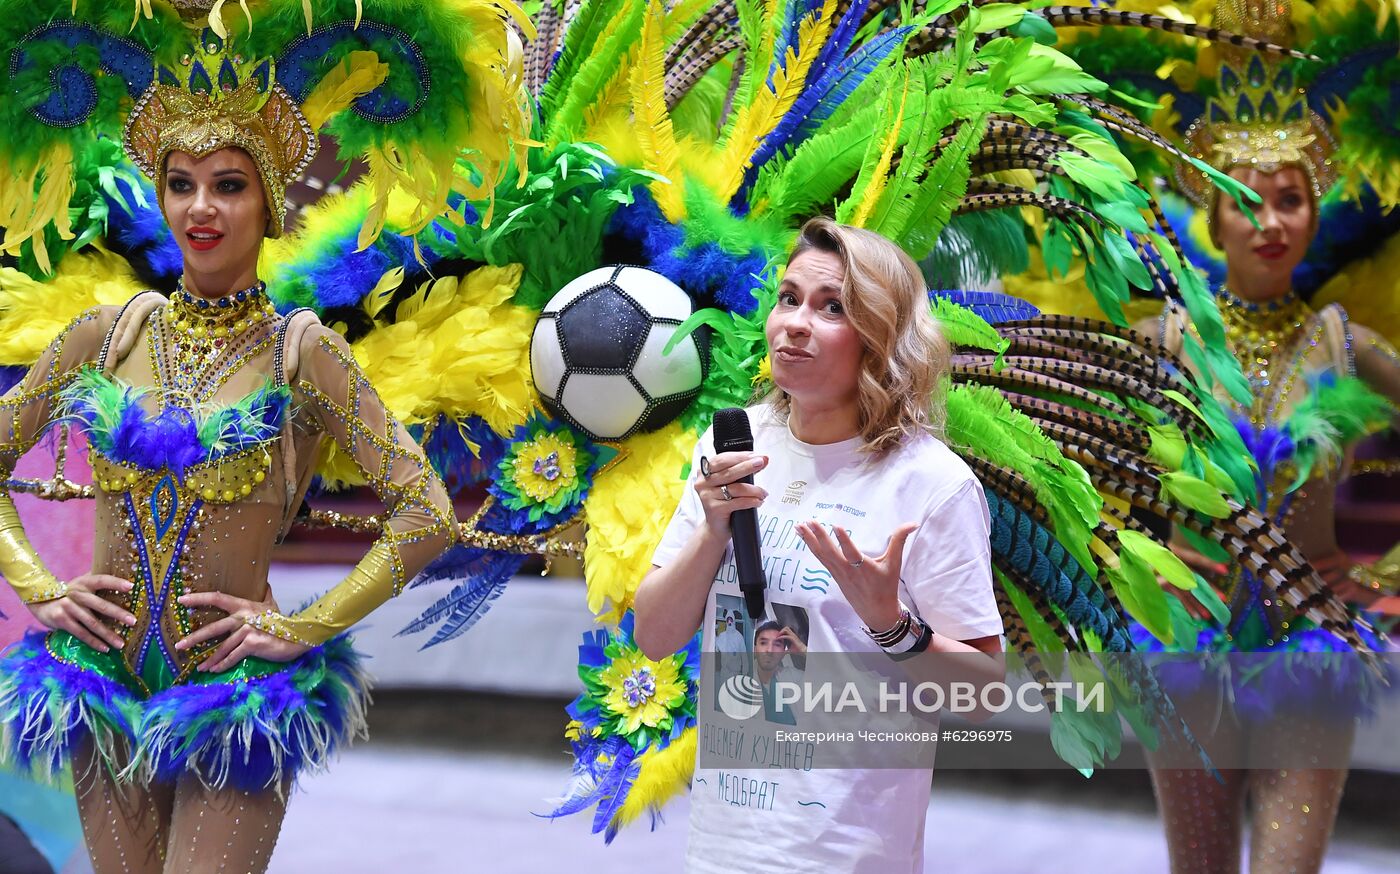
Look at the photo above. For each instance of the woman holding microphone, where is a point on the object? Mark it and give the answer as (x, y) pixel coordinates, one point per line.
(868, 524)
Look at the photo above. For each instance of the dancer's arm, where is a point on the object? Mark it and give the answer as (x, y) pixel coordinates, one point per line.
(420, 522)
(1377, 363)
(26, 411)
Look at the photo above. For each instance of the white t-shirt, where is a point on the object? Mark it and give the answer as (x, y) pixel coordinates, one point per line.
(787, 820)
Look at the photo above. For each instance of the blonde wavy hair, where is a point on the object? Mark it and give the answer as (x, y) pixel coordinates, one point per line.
(901, 383)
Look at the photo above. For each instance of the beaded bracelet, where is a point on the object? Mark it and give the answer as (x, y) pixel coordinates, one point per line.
(892, 636)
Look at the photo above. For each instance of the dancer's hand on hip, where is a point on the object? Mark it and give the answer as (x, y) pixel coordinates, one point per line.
(243, 640)
(81, 611)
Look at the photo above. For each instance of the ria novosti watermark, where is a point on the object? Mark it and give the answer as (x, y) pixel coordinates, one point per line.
(743, 697)
(864, 710)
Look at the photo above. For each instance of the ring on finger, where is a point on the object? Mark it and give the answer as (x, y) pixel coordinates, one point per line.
(724, 490)
(858, 562)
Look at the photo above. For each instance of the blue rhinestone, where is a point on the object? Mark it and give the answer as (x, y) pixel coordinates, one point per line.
(203, 304)
(242, 295)
(225, 303)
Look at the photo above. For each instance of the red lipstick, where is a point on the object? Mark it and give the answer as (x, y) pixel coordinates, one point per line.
(203, 239)
(1271, 251)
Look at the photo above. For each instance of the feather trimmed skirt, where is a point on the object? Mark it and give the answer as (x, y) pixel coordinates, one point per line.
(257, 726)
(1309, 671)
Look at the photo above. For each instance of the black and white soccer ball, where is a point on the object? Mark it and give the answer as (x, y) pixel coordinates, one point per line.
(595, 354)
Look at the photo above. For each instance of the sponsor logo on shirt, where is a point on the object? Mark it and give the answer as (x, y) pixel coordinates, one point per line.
(793, 493)
(826, 505)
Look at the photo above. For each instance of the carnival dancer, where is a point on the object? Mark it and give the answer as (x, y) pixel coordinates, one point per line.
(186, 701)
(1319, 382)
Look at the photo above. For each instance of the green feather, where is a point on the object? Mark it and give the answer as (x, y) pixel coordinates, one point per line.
(1194, 493)
(595, 71)
(1332, 416)
(917, 220)
(976, 248)
(962, 327)
(982, 423)
(582, 33)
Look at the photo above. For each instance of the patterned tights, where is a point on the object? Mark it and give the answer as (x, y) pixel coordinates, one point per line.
(179, 828)
(1291, 810)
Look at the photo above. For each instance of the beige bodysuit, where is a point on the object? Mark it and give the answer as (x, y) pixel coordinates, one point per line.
(178, 515)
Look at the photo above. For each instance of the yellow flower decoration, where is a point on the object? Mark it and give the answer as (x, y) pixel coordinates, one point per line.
(765, 371)
(642, 692)
(545, 467)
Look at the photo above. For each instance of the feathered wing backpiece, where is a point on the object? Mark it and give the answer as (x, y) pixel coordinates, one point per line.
(689, 141)
(1350, 56)
(405, 89)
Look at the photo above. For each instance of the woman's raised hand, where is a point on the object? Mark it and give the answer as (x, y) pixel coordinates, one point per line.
(243, 640)
(869, 582)
(720, 491)
(81, 611)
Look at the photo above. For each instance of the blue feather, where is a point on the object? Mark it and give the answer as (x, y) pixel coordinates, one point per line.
(464, 605)
(850, 74)
(11, 375)
(338, 274)
(140, 235)
(449, 454)
(710, 274)
(296, 719)
(992, 306)
(821, 98)
(612, 792)
(586, 787)
(33, 688)
(1033, 551)
(1270, 446)
(170, 439)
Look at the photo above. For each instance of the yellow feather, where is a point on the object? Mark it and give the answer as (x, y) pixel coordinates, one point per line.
(561, 131)
(627, 511)
(617, 136)
(1366, 289)
(664, 774)
(459, 348)
(358, 74)
(653, 121)
(33, 313)
(613, 101)
(24, 214)
(756, 120)
(879, 178)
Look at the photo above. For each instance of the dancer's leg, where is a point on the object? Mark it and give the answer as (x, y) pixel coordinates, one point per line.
(1293, 810)
(124, 825)
(224, 831)
(1203, 816)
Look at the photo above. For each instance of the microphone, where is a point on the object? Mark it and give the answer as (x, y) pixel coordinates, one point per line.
(733, 434)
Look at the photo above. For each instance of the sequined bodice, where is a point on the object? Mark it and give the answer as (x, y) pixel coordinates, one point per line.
(206, 421)
(185, 443)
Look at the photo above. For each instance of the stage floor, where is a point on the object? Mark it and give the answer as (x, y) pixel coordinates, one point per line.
(386, 807)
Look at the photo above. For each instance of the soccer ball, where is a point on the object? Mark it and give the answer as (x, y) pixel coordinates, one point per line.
(595, 354)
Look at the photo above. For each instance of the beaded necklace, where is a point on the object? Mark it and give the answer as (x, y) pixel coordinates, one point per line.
(1264, 336)
(198, 331)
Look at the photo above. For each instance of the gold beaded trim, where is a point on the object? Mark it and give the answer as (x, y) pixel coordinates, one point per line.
(221, 482)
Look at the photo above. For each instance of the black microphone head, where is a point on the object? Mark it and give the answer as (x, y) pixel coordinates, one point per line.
(732, 431)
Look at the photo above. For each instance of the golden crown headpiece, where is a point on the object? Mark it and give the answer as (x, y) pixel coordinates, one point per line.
(437, 113)
(1260, 116)
(215, 100)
